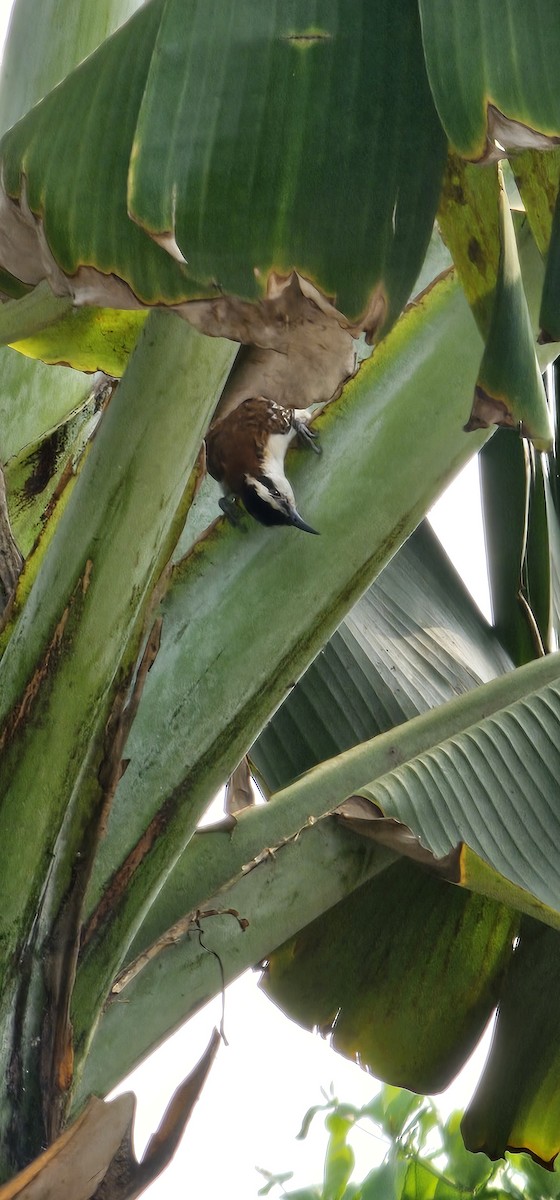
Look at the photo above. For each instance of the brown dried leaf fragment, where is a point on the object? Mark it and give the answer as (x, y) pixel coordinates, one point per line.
(364, 817)
(126, 1178)
(487, 410)
(24, 246)
(76, 1163)
(504, 135)
(94, 1158)
(297, 348)
(239, 789)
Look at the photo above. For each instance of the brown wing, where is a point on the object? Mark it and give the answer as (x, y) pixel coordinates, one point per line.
(235, 443)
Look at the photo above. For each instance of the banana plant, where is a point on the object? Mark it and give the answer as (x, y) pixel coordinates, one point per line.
(199, 206)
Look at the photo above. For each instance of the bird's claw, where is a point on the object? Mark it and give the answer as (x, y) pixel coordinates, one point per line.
(231, 511)
(307, 437)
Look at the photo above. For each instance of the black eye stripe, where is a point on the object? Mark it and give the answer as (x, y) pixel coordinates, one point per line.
(267, 483)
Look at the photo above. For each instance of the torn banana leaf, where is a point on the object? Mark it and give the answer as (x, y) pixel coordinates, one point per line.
(406, 934)
(509, 389)
(503, 95)
(219, 170)
(516, 1105)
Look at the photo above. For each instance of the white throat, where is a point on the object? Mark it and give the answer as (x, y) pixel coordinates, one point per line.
(273, 465)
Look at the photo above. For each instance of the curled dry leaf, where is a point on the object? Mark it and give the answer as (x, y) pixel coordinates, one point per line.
(300, 349)
(79, 1159)
(239, 789)
(297, 348)
(488, 410)
(364, 817)
(94, 1158)
(505, 134)
(127, 1178)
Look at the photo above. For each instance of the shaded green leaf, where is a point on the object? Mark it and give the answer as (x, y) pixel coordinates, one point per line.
(516, 1105)
(343, 972)
(504, 472)
(550, 302)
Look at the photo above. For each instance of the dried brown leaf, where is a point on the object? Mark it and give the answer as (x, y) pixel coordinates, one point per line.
(76, 1163)
(488, 410)
(126, 1178)
(297, 348)
(239, 789)
(505, 134)
(364, 817)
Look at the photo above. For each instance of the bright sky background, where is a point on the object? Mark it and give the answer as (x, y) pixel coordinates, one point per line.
(272, 1071)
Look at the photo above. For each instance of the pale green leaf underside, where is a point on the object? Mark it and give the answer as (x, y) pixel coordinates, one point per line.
(413, 641)
(493, 787)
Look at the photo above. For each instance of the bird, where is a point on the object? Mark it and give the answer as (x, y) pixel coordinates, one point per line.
(245, 453)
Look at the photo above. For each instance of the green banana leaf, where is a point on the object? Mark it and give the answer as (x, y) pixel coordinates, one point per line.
(355, 218)
(414, 640)
(516, 1102)
(389, 938)
(503, 92)
(509, 389)
(173, 954)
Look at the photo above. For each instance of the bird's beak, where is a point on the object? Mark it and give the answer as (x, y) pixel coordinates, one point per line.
(299, 523)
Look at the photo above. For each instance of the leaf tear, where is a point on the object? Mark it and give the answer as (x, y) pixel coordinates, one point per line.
(366, 818)
(488, 410)
(504, 135)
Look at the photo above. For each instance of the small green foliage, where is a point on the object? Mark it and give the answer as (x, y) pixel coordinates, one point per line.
(425, 1157)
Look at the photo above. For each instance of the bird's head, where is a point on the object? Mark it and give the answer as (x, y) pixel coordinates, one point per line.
(271, 504)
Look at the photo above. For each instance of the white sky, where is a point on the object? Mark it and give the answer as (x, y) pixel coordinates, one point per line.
(272, 1071)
